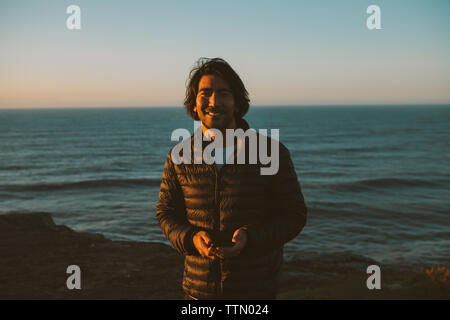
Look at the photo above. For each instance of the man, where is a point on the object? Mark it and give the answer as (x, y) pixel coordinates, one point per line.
(229, 220)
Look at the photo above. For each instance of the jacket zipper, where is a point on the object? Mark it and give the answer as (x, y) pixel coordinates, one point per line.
(217, 228)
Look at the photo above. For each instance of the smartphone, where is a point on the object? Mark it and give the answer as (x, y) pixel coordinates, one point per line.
(222, 244)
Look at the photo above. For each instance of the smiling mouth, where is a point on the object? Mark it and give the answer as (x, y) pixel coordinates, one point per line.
(214, 113)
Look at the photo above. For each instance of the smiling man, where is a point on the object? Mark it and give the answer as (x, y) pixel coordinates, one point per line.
(229, 221)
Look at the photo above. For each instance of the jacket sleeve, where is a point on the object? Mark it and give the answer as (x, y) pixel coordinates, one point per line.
(171, 212)
(288, 210)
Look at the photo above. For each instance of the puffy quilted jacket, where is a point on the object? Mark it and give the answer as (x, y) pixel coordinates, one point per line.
(270, 208)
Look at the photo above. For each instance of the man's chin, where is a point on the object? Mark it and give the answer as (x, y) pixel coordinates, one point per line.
(220, 125)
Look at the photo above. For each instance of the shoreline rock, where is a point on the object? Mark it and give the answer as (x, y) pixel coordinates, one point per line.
(35, 254)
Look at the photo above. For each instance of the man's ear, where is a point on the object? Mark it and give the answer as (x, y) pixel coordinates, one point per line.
(195, 109)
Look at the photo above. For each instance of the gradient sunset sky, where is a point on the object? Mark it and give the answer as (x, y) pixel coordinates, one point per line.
(139, 53)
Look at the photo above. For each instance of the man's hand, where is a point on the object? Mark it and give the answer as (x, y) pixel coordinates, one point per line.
(239, 239)
(202, 243)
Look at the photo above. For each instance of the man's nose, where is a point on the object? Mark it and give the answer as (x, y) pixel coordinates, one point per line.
(214, 100)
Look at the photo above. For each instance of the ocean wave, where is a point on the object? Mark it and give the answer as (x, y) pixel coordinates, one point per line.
(333, 148)
(16, 167)
(364, 185)
(86, 184)
(396, 182)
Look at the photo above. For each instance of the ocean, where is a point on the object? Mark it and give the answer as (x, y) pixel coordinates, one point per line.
(376, 179)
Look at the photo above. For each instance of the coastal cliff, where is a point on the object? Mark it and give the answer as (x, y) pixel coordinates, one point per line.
(35, 254)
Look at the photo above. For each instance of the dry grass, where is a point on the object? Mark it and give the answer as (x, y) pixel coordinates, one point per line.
(439, 274)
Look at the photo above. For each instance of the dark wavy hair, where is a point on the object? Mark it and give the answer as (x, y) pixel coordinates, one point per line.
(218, 67)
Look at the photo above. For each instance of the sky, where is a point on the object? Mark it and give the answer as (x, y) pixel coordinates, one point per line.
(139, 53)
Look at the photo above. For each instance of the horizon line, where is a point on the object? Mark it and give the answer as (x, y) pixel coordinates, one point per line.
(257, 106)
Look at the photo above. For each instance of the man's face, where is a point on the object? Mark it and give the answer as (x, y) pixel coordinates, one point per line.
(215, 105)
